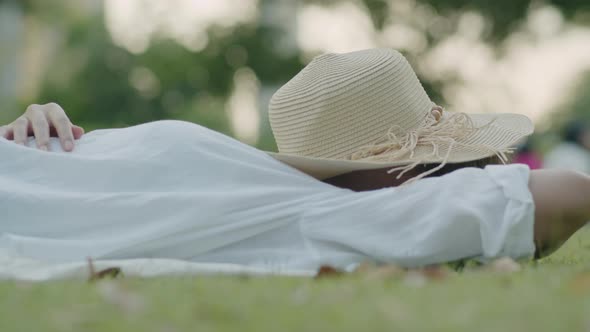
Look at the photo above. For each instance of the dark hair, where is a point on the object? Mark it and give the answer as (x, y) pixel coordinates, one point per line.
(448, 168)
(379, 178)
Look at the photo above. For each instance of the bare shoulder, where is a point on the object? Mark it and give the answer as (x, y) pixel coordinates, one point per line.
(559, 192)
(562, 206)
(557, 179)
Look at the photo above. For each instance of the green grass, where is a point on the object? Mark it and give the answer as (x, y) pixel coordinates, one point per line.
(553, 295)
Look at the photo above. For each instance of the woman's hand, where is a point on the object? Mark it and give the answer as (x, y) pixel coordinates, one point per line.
(42, 122)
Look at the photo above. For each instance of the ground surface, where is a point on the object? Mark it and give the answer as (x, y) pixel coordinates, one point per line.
(553, 295)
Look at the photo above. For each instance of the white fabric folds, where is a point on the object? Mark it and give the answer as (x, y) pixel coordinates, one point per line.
(172, 191)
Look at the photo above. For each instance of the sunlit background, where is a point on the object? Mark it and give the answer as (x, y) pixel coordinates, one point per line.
(116, 63)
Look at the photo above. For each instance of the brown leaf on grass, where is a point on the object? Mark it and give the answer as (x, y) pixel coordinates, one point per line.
(505, 265)
(111, 272)
(420, 277)
(327, 271)
(435, 272)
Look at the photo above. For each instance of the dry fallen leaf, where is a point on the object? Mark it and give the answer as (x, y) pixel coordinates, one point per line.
(505, 265)
(111, 272)
(328, 271)
(435, 272)
(419, 277)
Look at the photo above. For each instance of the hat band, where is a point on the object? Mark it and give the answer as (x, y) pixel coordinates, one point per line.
(434, 132)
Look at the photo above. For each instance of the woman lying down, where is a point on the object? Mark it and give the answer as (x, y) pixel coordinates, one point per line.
(368, 169)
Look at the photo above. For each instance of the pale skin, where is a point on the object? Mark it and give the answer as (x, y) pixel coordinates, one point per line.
(42, 122)
(562, 198)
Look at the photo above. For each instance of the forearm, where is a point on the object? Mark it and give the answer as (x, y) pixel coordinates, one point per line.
(562, 205)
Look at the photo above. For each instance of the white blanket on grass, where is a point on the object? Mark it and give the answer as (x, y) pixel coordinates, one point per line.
(21, 268)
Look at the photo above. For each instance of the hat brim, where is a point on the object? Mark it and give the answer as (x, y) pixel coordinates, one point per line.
(496, 131)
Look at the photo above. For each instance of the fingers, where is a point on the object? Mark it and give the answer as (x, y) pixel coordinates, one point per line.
(59, 120)
(40, 126)
(77, 131)
(43, 121)
(8, 133)
(20, 129)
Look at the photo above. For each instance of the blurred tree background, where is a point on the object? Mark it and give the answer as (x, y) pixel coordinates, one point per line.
(96, 59)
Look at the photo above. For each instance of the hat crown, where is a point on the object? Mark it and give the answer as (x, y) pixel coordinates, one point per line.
(342, 102)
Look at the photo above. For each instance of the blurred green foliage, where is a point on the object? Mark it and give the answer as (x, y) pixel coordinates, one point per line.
(91, 76)
(575, 108)
(578, 106)
(191, 86)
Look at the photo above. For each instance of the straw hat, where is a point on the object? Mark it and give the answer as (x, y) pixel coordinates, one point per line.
(368, 110)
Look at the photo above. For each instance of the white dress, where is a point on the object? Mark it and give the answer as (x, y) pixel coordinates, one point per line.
(172, 189)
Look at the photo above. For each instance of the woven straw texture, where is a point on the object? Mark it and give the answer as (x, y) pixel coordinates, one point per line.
(367, 110)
